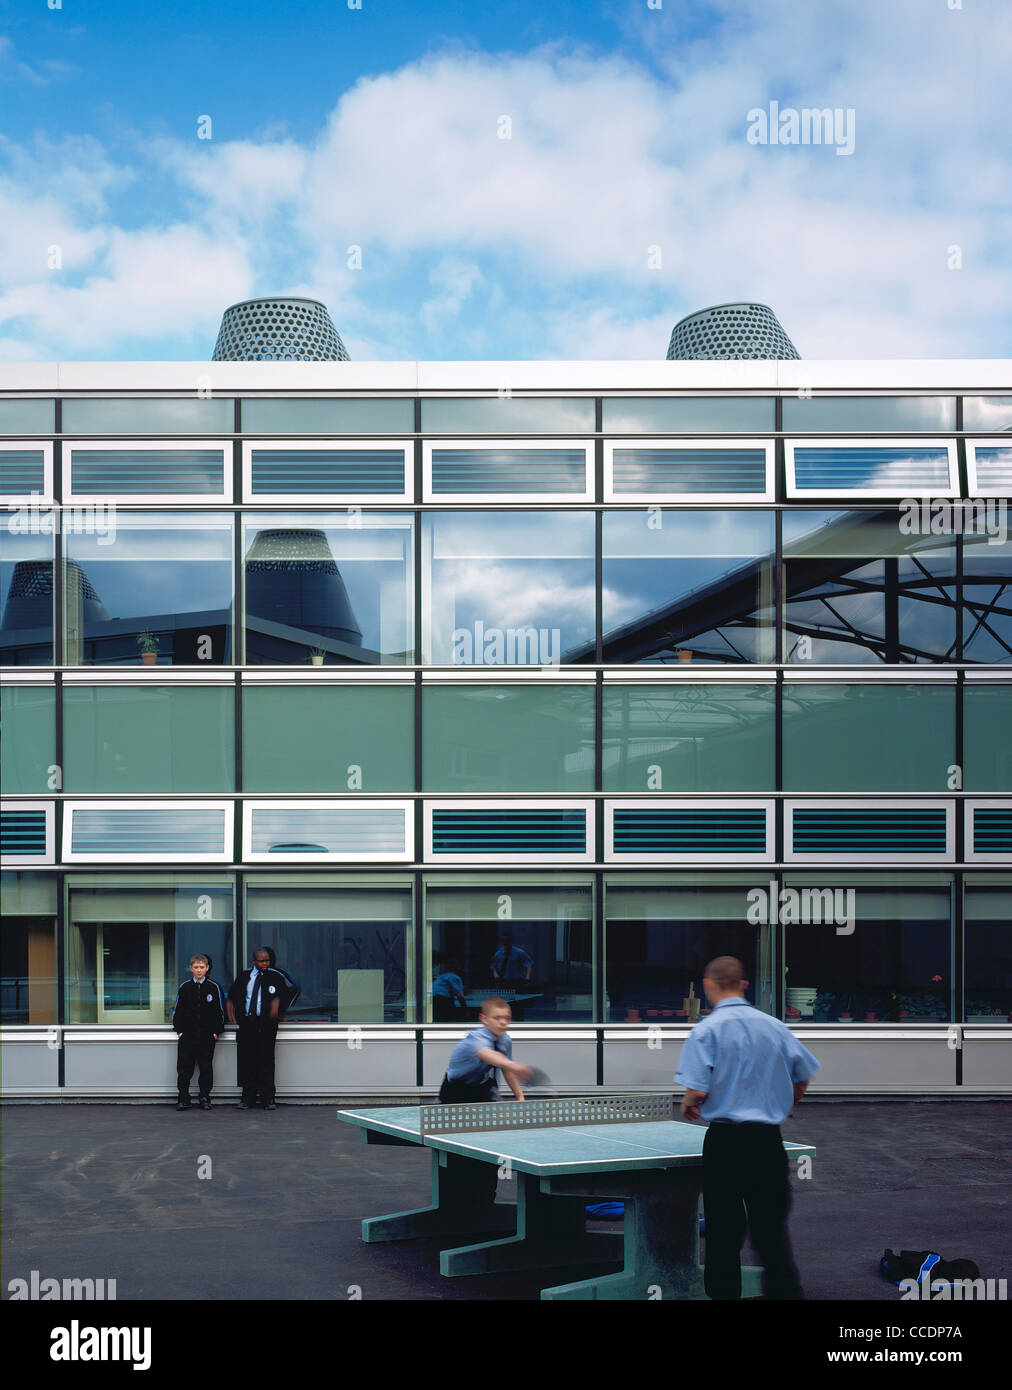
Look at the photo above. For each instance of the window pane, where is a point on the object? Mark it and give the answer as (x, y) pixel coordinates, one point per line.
(331, 739)
(867, 414)
(503, 738)
(327, 472)
(868, 738)
(510, 415)
(688, 586)
(857, 591)
(987, 970)
(686, 470)
(891, 962)
(27, 417)
(329, 588)
(539, 959)
(185, 415)
(661, 935)
(987, 599)
(142, 473)
(349, 949)
(148, 739)
(506, 470)
(987, 739)
(990, 413)
(872, 468)
(28, 745)
(26, 594)
(23, 472)
(696, 738)
(377, 415)
(129, 943)
(28, 949)
(160, 585)
(509, 588)
(688, 414)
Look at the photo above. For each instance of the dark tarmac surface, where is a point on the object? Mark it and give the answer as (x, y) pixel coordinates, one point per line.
(112, 1191)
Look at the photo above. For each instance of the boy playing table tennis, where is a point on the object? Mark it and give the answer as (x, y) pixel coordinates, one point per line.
(471, 1070)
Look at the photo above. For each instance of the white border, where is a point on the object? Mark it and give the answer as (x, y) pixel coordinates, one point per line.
(404, 855)
(972, 445)
(22, 499)
(890, 442)
(25, 861)
(611, 855)
(332, 499)
(486, 858)
(767, 445)
(222, 856)
(538, 445)
(136, 499)
(869, 856)
(981, 856)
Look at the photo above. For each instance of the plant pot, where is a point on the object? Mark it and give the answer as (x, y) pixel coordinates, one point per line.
(683, 653)
(149, 658)
(317, 660)
(822, 1015)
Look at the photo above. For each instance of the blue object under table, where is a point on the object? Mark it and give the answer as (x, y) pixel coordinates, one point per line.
(563, 1151)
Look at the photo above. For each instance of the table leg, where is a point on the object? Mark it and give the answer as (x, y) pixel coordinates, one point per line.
(462, 1201)
(550, 1233)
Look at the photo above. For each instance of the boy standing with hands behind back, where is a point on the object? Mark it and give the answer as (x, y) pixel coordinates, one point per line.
(197, 1017)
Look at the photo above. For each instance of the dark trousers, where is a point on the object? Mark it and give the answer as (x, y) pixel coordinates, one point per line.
(255, 1058)
(745, 1181)
(473, 1184)
(195, 1050)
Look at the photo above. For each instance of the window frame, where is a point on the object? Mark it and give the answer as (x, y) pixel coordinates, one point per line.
(22, 499)
(309, 444)
(664, 803)
(27, 861)
(222, 856)
(904, 858)
(972, 445)
(708, 442)
(481, 861)
(146, 500)
(980, 856)
(793, 491)
(542, 444)
(402, 856)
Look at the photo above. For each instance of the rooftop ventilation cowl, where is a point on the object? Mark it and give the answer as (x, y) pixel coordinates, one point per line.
(278, 330)
(734, 332)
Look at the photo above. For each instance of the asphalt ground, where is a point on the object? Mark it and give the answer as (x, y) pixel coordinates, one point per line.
(116, 1191)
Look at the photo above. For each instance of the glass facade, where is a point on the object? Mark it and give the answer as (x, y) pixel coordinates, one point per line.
(659, 657)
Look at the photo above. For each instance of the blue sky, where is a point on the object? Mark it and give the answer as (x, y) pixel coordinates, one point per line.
(635, 183)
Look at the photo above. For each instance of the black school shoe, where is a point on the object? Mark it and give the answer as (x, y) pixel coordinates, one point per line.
(183, 1105)
(270, 1106)
(205, 1102)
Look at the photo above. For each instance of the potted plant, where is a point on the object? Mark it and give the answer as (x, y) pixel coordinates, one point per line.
(148, 643)
(316, 656)
(683, 653)
(822, 1004)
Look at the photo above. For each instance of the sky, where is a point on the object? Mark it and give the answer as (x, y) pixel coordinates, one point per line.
(505, 179)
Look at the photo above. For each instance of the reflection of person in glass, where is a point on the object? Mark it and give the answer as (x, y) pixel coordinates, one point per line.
(512, 968)
(448, 994)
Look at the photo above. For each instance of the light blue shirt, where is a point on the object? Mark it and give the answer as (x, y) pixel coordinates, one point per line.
(746, 1062)
(448, 984)
(249, 989)
(465, 1064)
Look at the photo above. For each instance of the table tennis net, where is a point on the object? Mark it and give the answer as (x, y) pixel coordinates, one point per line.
(542, 1114)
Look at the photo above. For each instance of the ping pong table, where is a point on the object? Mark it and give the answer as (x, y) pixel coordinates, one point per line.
(563, 1152)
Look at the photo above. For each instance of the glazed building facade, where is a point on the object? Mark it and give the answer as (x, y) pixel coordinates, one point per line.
(545, 679)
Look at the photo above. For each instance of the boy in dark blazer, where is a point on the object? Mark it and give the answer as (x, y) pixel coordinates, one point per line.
(258, 999)
(197, 1018)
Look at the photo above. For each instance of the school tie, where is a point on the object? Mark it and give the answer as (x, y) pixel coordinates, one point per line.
(254, 1003)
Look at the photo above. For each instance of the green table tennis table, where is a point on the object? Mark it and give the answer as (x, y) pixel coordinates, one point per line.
(563, 1152)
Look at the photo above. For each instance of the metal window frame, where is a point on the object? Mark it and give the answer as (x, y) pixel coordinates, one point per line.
(865, 857)
(982, 856)
(309, 444)
(709, 442)
(538, 445)
(155, 499)
(487, 860)
(47, 495)
(26, 861)
(972, 445)
(405, 855)
(222, 856)
(613, 856)
(884, 442)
